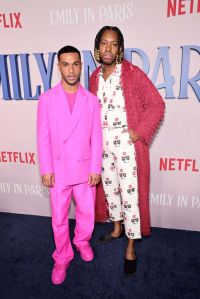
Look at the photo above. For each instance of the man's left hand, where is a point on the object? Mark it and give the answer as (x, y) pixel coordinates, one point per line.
(94, 179)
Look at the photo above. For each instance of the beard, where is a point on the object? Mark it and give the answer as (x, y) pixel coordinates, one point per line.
(71, 82)
(108, 60)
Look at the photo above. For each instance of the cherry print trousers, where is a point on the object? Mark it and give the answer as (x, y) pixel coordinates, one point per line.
(119, 177)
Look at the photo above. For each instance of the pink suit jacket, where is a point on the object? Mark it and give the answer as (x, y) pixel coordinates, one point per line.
(69, 144)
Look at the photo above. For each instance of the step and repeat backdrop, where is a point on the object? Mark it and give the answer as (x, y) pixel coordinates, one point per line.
(161, 37)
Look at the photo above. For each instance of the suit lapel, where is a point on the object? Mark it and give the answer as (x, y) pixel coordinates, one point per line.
(68, 120)
(78, 106)
(62, 104)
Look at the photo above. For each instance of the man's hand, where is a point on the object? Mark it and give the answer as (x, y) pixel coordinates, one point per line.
(133, 135)
(48, 180)
(94, 179)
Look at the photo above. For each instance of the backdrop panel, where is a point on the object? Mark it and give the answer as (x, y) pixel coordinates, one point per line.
(161, 37)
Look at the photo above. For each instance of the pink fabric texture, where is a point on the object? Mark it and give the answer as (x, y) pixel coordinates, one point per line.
(69, 144)
(145, 109)
(71, 100)
(84, 196)
(70, 147)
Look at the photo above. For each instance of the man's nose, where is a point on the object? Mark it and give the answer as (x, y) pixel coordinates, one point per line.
(108, 47)
(71, 68)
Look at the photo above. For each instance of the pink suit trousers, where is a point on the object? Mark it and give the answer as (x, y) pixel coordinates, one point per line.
(84, 196)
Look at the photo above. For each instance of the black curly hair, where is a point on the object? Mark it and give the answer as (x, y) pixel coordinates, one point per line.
(113, 28)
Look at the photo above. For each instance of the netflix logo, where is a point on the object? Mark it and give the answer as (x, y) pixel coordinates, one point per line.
(10, 20)
(182, 7)
(17, 157)
(180, 164)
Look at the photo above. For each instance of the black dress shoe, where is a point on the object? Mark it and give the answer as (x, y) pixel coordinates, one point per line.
(108, 238)
(130, 266)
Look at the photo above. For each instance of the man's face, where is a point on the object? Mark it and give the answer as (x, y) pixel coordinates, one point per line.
(109, 47)
(70, 67)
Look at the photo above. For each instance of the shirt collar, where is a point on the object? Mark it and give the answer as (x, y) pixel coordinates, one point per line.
(116, 72)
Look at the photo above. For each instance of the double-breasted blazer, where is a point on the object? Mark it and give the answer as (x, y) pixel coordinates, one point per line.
(69, 144)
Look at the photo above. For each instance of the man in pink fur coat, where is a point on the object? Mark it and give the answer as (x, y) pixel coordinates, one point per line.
(131, 109)
(70, 154)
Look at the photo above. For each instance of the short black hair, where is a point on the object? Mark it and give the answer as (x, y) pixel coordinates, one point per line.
(113, 28)
(68, 49)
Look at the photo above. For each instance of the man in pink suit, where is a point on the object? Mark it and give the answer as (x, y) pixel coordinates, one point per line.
(70, 151)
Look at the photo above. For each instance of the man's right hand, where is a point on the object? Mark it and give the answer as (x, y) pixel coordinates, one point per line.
(48, 180)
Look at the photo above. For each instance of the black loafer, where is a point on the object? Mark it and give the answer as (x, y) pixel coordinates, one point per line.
(130, 266)
(108, 238)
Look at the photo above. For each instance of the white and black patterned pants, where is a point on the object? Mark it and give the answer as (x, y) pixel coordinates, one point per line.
(119, 177)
